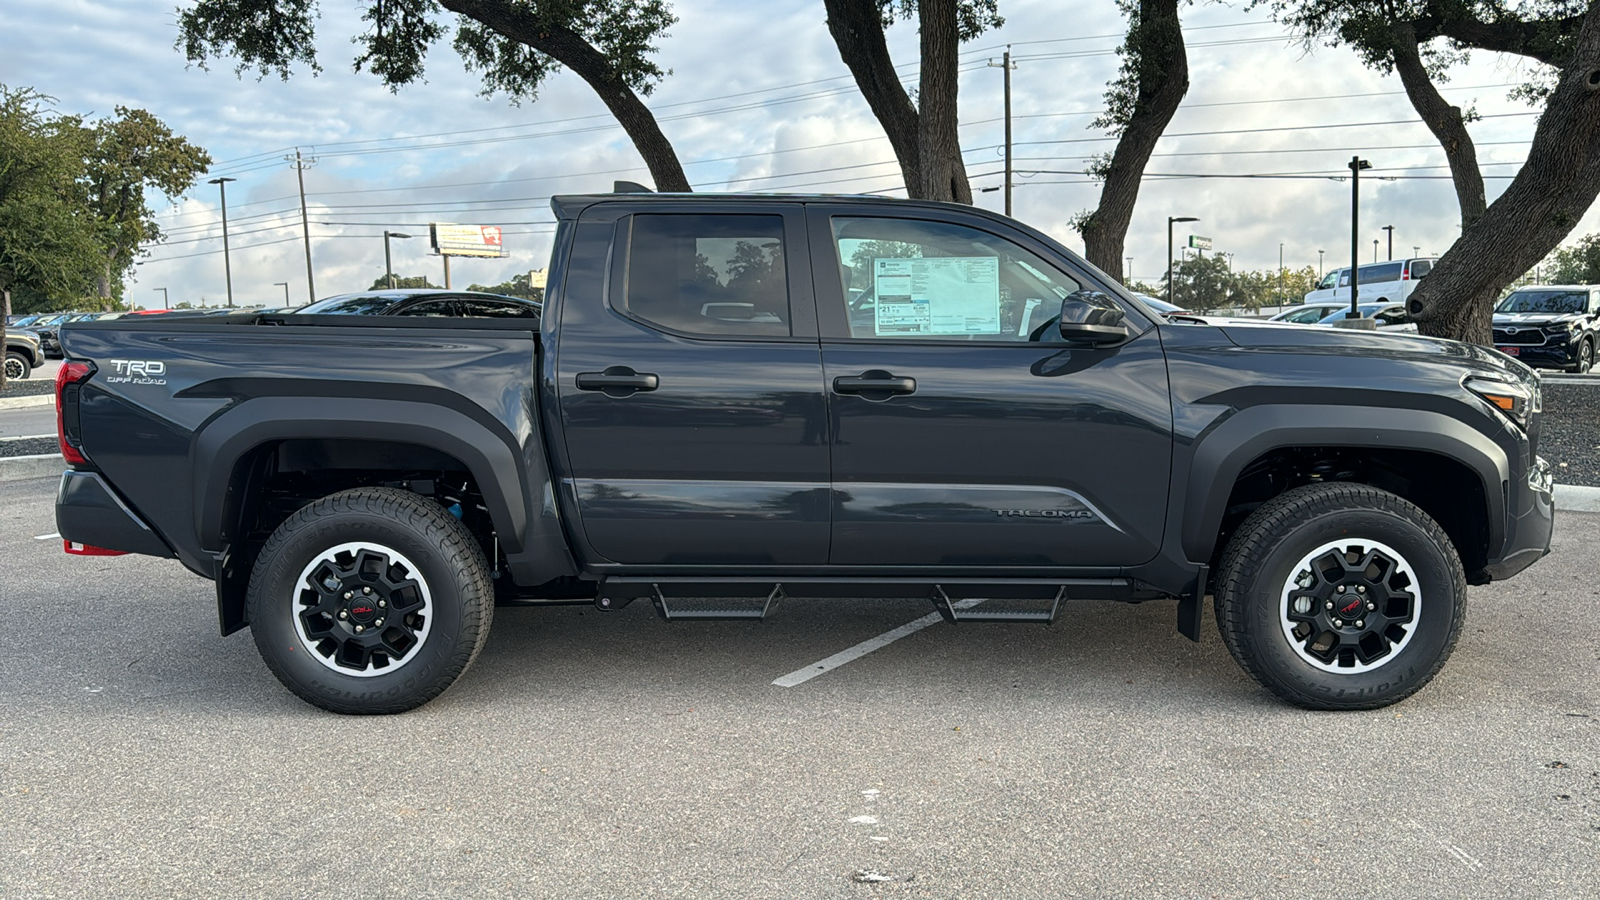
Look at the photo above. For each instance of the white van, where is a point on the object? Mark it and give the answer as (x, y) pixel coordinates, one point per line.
(1384, 282)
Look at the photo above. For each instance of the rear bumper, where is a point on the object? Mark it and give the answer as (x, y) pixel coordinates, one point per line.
(89, 512)
(1531, 523)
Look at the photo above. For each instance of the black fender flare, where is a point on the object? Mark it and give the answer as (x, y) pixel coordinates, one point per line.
(1223, 451)
(227, 438)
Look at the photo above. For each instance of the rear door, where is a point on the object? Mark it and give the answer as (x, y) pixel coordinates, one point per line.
(965, 432)
(691, 391)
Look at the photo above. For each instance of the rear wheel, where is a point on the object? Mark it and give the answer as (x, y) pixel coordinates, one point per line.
(1340, 596)
(17, 367)
(370, 601)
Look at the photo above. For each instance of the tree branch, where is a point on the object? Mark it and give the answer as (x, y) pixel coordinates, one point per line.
(1444, 120)
(857, 29)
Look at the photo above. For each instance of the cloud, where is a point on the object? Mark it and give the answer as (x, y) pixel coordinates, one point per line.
(758, 99)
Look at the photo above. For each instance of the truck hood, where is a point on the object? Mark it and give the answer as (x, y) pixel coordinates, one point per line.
(1470, 358)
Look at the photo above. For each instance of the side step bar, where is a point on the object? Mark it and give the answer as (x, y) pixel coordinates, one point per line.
(955, 599)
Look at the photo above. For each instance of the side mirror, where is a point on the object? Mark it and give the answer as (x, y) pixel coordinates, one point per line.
(1091, 317)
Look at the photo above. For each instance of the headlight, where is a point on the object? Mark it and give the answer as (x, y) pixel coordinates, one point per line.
(1559, 327)
(1517, 402)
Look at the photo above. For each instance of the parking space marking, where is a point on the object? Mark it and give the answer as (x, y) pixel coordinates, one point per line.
(29, 437)
(801, 676)
(52, 536)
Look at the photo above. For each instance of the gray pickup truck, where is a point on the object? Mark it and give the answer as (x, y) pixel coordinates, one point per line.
(731, 400)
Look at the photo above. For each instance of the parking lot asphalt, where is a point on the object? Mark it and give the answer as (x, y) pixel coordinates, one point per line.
(592, 754)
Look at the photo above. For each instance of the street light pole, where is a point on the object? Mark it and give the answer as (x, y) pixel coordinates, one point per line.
(1390, 229)
(1280, 274)
(1170, 221)
(1356, 165)
(227, 266)
(163, 296)
(285, 286)
(1375, 243)
(1319, 264)
(388, 265)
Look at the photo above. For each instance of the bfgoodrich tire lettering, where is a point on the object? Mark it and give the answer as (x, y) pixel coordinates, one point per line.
(370, 601)
(1340, 596)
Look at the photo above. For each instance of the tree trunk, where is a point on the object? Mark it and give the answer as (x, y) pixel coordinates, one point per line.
(857, 29)
(5, 316)
(1555, 187)
(1445, 121)
(571, 50)
(103, 283)
(1163, 82)
(944, 176)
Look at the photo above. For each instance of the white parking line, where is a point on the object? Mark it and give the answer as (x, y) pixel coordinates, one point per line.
(29, 437)
(801, 676)
(54, 535)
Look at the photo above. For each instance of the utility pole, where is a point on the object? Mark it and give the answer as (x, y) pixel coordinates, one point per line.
(1390, 229)
(300, 165)
(227, 265)
(1005, 63)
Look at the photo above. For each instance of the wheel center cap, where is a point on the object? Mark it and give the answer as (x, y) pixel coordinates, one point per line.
(363, 610)
(1350, 606)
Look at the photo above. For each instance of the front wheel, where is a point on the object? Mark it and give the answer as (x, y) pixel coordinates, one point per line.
(1585, 359)
(1340, 596)
(17, 367)
(371, 600)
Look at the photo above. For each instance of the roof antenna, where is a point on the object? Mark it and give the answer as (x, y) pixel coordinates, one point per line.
(629, 187)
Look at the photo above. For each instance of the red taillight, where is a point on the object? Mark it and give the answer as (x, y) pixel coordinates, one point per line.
(88, 550)
(69, 380)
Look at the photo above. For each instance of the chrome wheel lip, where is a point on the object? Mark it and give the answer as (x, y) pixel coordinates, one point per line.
(1291, 586)
(394, 557)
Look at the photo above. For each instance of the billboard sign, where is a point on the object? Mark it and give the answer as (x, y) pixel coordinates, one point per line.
(1199, 243)
(466, 240)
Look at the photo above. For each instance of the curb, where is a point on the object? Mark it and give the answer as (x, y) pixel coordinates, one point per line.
(1577, 498)
(25, 402)
(45, 465)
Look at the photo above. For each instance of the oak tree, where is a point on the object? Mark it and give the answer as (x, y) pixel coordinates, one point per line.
(514, 44)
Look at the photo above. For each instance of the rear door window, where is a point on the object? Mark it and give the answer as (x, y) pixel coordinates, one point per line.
(1420, 268)
(708, 274)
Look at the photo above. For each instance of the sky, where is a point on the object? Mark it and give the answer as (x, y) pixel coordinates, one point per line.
(757, 100)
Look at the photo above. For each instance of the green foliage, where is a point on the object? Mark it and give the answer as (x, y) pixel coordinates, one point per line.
(133, 153)
(49, 241)
(272, 36)
(1578, 264)
(408, 281)
(520, 285)
(1208, 284)
(973, 17)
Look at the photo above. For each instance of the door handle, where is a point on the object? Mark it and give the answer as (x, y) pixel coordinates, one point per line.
(617, 381)
(875, 381)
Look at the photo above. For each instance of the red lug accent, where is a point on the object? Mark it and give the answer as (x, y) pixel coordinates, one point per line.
(89, 550)
(71, 372)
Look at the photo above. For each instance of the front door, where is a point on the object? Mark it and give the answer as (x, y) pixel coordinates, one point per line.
(691, 399)
(965, 432)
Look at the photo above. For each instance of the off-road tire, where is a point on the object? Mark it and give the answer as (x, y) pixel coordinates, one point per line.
(442, 573)
(1254, 586)
(17, 367)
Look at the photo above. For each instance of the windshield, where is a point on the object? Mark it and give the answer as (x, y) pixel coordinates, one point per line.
(349, 304)
(1544, 302)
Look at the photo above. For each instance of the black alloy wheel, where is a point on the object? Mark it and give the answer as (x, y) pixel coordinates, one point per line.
(1340, 596)
(372, 600)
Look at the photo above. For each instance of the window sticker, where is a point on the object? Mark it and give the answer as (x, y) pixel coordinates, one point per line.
(939, 295)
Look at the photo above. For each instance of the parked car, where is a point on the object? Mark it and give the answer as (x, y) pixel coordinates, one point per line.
(1391, 316)
(49, 330)
(435, 302)
(1554, 326)
(23, 353)
(363, 490)
(1385, 282)
(1309, 313)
